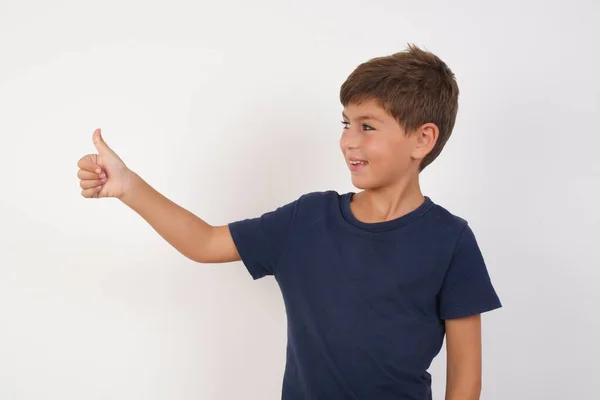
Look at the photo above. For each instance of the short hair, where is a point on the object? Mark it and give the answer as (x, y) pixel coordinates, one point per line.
(414, 86)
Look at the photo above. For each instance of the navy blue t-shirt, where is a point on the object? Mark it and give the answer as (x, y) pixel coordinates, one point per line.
(365, 302)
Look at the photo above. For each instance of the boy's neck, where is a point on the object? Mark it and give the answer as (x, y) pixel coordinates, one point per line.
(387, 203)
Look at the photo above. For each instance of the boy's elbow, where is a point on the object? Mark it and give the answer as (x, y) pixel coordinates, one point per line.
(197, 258)
(217, 246)
(469, 394)
(463, 386)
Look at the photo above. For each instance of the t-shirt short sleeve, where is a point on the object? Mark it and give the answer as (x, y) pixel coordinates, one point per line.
(467, 288)
(260, 241)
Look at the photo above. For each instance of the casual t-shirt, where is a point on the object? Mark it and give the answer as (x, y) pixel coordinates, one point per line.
(365, 302)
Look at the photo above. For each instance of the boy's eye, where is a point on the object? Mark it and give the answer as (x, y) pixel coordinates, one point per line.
(365, 126)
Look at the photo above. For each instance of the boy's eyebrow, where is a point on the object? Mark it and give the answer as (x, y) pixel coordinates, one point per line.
(363, 117)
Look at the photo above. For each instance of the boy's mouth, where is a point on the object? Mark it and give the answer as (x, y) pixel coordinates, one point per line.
(356, 165)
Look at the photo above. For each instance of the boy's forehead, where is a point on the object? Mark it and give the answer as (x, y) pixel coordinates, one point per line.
(365, 109)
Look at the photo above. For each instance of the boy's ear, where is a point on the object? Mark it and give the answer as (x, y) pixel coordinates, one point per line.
(426, 138)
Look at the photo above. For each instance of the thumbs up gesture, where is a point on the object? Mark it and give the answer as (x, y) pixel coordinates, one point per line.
(103, 174)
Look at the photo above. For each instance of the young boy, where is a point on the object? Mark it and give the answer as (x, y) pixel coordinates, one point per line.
(371, 281)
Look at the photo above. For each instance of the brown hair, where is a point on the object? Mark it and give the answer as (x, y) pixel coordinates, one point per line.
(414, 86)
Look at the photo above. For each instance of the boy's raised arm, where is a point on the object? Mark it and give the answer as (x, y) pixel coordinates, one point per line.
(190, 235)
(106, 175)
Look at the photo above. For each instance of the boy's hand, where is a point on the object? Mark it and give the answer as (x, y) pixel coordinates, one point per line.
(103, 174)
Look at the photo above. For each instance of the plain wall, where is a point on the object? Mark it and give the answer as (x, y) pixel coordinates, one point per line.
(231, 109)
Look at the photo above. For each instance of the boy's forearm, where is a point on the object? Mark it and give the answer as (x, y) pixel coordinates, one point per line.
(462, 386)
(183, 230)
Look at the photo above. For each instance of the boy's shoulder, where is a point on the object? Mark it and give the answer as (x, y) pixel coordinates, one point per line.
(447, 218)
(316, 200)
(323, 195)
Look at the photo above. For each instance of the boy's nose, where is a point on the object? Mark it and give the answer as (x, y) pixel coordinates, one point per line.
(350, 141)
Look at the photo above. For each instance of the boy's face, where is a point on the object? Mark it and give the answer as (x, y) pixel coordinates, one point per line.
(375, 138)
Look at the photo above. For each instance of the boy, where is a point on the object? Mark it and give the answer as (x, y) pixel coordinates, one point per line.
(371, 281)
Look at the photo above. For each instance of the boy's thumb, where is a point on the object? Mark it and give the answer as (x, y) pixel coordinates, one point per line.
(100, 144)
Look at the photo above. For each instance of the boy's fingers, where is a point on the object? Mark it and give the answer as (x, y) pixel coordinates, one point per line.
(89, 184)
(100, 144)
(83, 174)
(86, 164)
(89, 193)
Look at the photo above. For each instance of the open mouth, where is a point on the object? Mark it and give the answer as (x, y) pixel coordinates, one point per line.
(356, 165)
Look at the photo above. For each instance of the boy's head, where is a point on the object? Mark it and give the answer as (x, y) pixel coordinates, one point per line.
(399, 111)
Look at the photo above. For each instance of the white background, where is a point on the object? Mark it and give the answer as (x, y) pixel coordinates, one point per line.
(231, 109)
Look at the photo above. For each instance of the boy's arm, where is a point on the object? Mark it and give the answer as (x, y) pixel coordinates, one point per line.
(190, 235)
(463, 347)
(105, 174)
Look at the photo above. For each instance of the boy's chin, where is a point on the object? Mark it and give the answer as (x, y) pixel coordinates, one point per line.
(363, 184)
